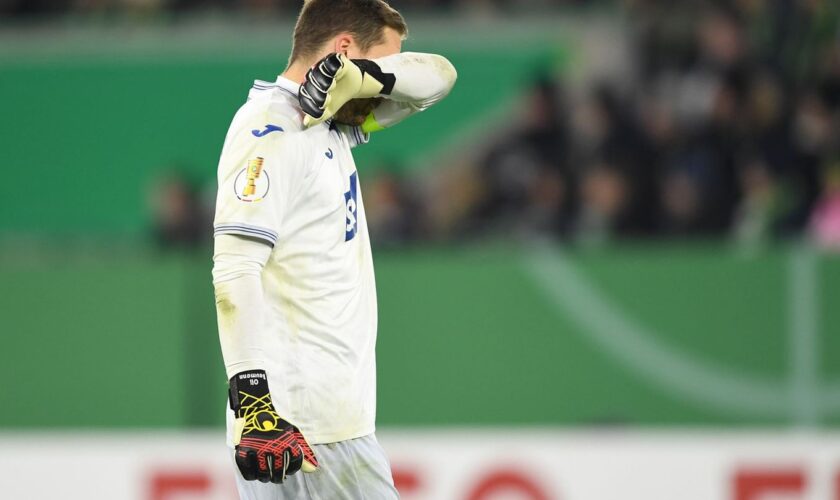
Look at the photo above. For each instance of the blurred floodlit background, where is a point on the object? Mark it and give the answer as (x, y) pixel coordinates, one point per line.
(607, 264)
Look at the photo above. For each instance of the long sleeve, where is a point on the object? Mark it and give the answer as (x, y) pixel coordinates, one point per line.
(421, 80)
(237, 267)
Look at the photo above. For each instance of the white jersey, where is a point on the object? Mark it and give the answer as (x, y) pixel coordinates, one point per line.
(299, 191)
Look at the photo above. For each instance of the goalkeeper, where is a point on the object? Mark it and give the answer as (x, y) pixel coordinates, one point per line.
(293, 272)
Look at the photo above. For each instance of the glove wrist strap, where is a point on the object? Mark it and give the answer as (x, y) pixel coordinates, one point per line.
(247, 387)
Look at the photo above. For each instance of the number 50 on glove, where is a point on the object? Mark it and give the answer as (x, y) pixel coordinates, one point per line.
(268, 448)
(337, 79)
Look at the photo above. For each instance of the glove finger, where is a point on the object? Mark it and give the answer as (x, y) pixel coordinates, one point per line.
(276, 464)
(294, 458)
(317, 95)
(323, 115)
(282, 467)
(310, 461)
(269, 466)
(320, 80)
(264, 473)
(331, 64)
(308, 105)
(246, 461)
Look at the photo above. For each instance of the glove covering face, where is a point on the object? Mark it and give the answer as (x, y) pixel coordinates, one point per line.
(334, 81)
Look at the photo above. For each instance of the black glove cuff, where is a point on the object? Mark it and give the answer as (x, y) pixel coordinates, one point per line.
(388, 80)
(252, 382)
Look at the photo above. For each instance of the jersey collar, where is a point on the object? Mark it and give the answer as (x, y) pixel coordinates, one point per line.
(288, 85)
(283, 84)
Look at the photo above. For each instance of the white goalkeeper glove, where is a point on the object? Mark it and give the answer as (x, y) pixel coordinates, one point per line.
(335, 80)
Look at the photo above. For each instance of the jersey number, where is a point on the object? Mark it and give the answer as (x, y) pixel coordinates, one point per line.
(352, 224)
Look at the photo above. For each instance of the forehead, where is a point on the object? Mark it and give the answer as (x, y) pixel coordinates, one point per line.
(393, 37)
(391, 44)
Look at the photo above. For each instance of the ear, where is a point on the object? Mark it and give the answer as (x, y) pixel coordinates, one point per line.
(343, 43)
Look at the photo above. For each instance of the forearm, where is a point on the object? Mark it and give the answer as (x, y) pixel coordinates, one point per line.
(410, 81)
(237, 267)
(420, 80)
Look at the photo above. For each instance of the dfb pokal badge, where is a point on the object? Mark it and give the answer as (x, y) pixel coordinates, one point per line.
(252, 182)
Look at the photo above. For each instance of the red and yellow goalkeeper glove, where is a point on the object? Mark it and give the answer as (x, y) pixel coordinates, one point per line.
(268, 448)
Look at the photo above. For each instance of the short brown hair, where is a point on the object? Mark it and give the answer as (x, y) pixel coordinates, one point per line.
(321, 20)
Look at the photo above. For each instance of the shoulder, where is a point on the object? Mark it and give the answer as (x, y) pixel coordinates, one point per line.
(269, 124)
(269, 115)
(269, 128)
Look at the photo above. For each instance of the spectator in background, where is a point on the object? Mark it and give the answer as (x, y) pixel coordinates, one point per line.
(395, 215)
(721, 135)
(30, 8)
(614, 141)
(179, 219)
(681, 205)
(605, 195)
(708, 156)
(525, 176)
(824, 225)
(760, 214)
(814, 136)
(546, 210)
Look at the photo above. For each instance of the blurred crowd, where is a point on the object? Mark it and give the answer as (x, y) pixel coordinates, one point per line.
(730, 128)
(39, 8)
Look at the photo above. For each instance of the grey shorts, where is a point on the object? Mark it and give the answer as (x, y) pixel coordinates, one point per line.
(349, 470)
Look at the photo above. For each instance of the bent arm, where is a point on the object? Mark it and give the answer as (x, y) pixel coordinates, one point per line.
(237, 268)
(420, 81)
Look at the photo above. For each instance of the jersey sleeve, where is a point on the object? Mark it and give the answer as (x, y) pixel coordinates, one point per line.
(421, 81)
(259, 171)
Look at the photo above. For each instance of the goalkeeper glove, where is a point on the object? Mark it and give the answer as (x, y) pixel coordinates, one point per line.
(268, 448)
(335, 80)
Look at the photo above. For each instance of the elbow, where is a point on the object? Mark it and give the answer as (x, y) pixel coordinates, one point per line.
(448, 74)
(226, 309)
(224, 302)
(440, 85)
